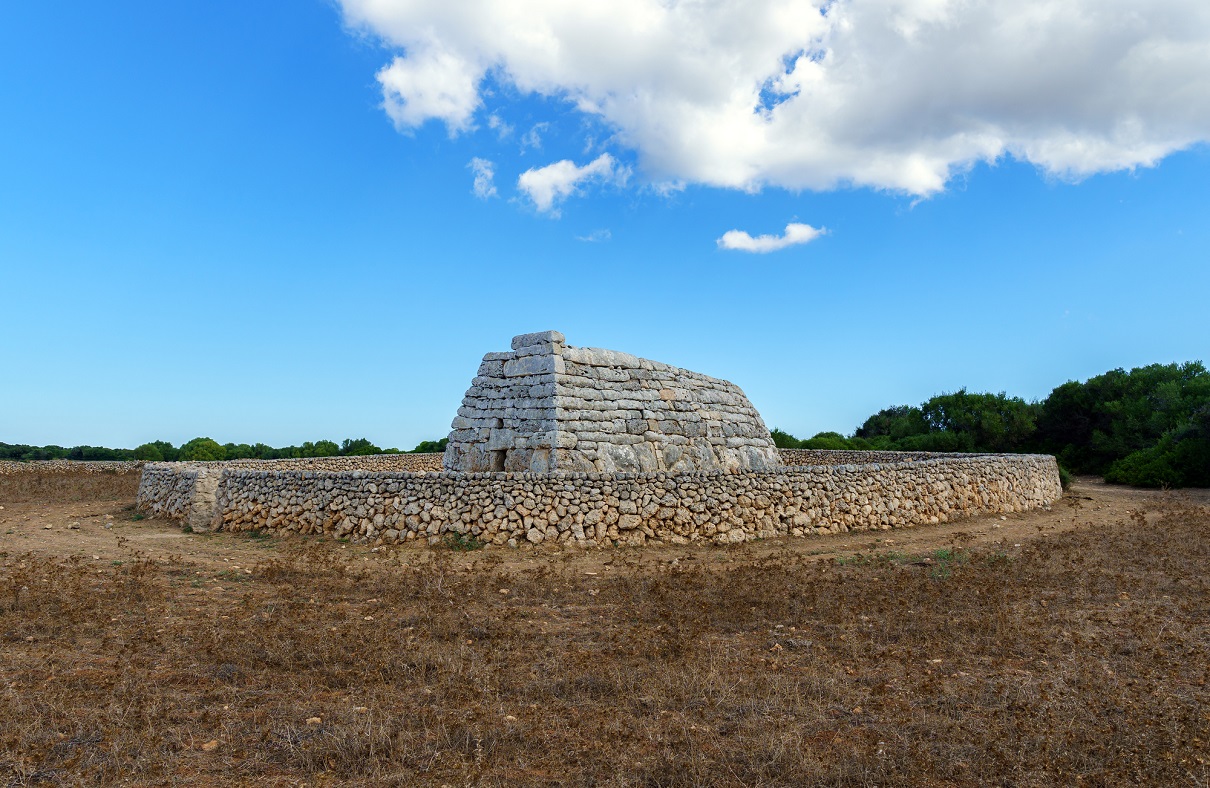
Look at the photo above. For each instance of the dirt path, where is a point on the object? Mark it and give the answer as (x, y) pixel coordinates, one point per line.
(109, 530)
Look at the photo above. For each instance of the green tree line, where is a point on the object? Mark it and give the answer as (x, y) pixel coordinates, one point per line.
(1148, 427)
(207, 449)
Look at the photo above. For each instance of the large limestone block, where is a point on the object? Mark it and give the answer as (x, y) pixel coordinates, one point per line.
(538, 338)
(524, 366)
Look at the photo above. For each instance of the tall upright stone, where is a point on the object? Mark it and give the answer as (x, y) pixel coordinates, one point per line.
(547, 406)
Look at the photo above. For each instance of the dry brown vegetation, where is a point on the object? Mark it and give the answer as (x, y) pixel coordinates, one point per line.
(1079, 659)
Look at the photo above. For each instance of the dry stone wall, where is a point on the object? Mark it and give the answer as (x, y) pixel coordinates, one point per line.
(546, 406)
(68, 468)
(624, 508)
(61, 480)
(186, 490)
(798, 457)
(167, 488)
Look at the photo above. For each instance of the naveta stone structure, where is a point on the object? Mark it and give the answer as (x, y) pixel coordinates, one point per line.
(555, 443)
(546, 406)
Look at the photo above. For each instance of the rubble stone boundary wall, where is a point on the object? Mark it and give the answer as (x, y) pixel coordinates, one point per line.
(799, 457)
(603, 509)
(68, 468)
(186, 490)
(60, 480)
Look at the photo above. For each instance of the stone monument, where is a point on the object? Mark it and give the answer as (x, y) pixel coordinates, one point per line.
(547, 406)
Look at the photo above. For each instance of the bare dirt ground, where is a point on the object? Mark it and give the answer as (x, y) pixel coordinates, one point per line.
(1060, 647)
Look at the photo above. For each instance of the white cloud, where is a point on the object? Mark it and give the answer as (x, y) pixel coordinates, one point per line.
(430, 82)
(533, 137)
(485, 174)
(497, 124)
(795, 234)
(547, 186)
(596, 236)
(893, 94)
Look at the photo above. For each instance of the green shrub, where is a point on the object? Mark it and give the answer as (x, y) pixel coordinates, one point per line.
(1065, 477)
(1147, 468)
(202, 449)
(358, 447)
(826, 440)
(321, 449)
(784, 440)
(150, 452)
(463, 542)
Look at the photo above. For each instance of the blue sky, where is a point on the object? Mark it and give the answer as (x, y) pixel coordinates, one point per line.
(210, 226)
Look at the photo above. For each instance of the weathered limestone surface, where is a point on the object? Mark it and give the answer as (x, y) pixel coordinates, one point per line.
(546, 406)
(618, 508)
(167, 488)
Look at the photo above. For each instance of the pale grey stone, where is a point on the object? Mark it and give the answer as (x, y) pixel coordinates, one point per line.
(501, 439)
(491, 368)
(538, 338)
(591, 408)
(543, 349)
(532, 365)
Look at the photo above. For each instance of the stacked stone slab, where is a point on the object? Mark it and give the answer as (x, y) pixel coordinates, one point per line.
(547, 406)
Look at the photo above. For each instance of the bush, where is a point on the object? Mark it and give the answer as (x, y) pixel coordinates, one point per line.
(202, 450)
(1180, 459)
(784, 440)
(1147, 468)
(430, 447)
(150, 452)
(1093, 425)
(937, 441)
(239, 451)
(1065, 477)
(356, 447)
(320, 449)
(826, 440)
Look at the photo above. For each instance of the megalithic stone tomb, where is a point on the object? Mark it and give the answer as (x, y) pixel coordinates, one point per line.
(547, 406)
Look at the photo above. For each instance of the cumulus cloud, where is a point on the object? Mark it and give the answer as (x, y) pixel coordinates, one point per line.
(432, 81)
(795, 234)
(892, 94)
(547, 186)
(485, 174)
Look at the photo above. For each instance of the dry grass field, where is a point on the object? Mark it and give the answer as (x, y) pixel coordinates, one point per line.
(1068, 647)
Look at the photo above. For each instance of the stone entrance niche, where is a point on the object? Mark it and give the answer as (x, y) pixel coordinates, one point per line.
(548, 406)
